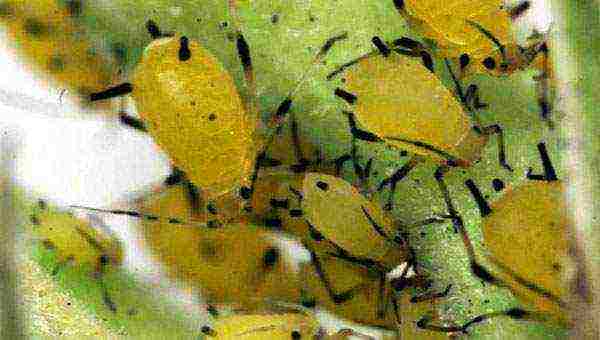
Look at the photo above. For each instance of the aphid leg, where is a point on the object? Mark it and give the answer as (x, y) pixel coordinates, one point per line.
(452, 212)
(127, 120)
(396, 177)
(496, 129)
(472, 98)
(112, 92)
(457, 85)
(359, 133)
(414, 48)
(549, 172)
(339, 164)
(337, 298)
(429, 296)
(491, 37)
(515, 313)
(518, 10)
(303, 162)
(132, 122)
(154, 30)
(543, 86)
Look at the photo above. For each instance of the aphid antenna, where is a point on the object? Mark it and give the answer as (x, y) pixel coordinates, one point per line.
(147, 217)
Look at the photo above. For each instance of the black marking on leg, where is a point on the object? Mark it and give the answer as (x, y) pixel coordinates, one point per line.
(110, 304)
(184, 49)
(424, 323)
(175, 177)
(464, 60)
(431, 295)
(245, 192)
(346, 96)
(132, 122)
(497, 130)
(518, 10)
(193, 195)
(206, 330)
(490, 36)
(303, 163)
(392, 181)
(381, 46)
(116, 91)
(427, 61)
(457, 85)
(489, 63)
(329, 44)
(358, 133)
(483, 273)
(296, 213)
(549, 172)
(339, 163)
(497, 184)
(283, 204)
(274, 223)
(399, 4)
(407, 43)
(267, 162)
(484, 208)
(270, 258)
(283, 108)
(153, 29)
(244, 52)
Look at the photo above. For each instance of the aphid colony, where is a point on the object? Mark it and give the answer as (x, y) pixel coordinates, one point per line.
(237, 183)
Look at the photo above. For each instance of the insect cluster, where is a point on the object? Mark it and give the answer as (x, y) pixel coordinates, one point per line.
(245, 173)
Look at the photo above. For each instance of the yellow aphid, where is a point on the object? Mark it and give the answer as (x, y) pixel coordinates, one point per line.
(231, 264)
(445, 23)
(46, 34)
(478, 35)
(74, 240)
(182, 102)
(288, 325)
(345, 217)
(527, 233)
(402, 102)
(192, 108)
(529, 236)
(399, 102)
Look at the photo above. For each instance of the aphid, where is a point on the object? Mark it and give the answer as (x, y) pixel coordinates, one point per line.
(400, 102)
(193, 110)
(526, 232)
(75, 242)
(229, 264)
(46, 34)
(445, 24)
(368, 302)
(360, 234)
(478, 36)
(296, 324)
